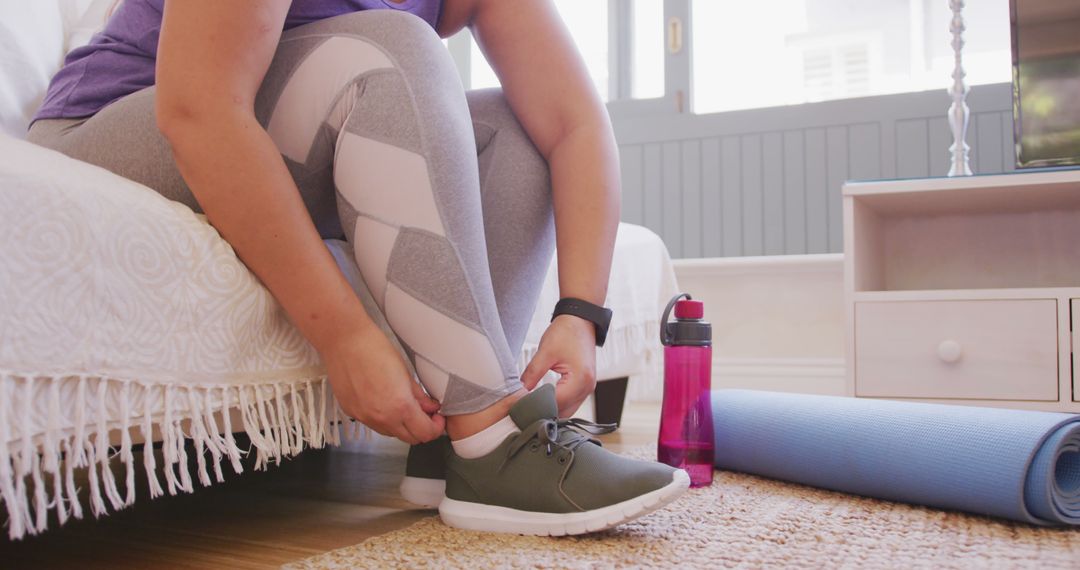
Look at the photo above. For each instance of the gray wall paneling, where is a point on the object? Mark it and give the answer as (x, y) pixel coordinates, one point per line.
(772, 215)
(816, 184)
(753, 194)
(692, 231)
(794, 199)
(731, 193)
(712, 222)
(767, 181)
(674, 193)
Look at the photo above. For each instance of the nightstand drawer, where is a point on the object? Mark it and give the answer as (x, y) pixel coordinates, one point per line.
(992, 350)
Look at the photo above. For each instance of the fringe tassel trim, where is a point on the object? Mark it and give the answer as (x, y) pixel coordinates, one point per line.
(81, 412)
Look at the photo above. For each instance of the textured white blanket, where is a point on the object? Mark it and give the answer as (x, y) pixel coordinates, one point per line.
(121, 311)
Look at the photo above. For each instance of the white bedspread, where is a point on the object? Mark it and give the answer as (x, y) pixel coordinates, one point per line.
(123, 311)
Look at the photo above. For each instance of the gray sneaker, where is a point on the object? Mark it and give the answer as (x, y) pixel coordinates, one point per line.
(551, 479)
(425, 466)
(425, 473)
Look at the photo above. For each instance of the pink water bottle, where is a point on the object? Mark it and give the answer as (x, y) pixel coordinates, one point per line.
(686, 429)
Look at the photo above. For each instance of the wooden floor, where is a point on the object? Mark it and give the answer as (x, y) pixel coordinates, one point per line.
(323, 500)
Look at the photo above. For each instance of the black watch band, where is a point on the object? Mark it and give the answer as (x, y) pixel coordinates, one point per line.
(599, 316)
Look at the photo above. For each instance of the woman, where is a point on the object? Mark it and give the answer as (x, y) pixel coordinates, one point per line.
(291, 121)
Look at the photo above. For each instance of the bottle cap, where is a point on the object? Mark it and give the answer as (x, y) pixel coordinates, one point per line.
(688, 328)
(688, 309)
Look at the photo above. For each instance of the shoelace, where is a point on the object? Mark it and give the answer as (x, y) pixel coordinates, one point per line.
(546, 432)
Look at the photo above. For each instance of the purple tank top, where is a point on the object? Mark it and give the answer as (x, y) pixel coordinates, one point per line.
(120, 60)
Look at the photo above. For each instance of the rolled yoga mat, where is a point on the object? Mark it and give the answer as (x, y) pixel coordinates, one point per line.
(1014, 464)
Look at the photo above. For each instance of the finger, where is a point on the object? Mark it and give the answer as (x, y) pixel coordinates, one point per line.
(380, 429)
(409, 428)
(535, 370)
(391, 431)
(440, 421)
(570, 393)
(366, 422)
(395, 428)
(403, 433)
(422, 426)
(427, 403)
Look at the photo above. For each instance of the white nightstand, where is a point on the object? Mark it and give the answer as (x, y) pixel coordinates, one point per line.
(964, 290)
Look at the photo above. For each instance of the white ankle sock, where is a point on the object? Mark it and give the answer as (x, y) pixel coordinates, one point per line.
(485, 441)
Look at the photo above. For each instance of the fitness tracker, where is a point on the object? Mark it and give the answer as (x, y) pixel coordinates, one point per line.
(599, 316)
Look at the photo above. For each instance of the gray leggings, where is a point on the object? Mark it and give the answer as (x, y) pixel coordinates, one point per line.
(443, 196)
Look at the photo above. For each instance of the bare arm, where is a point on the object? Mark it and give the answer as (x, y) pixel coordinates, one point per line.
(212, 57)
(549, 89)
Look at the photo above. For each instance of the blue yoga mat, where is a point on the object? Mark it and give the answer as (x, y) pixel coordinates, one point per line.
(1015, 464)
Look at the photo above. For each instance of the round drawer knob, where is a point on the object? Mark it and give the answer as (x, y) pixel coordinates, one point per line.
(949, 351)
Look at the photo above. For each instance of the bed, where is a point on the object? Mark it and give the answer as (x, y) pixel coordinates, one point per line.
(124, 317)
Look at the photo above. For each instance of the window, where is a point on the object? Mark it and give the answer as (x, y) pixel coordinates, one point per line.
(647, 49)
(760, 54)
(481, 75)
(593, 28)
(838, 67)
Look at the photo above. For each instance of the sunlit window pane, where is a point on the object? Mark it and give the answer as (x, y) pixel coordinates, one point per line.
(760, 54)
(647, 72)
(481, 76)
(588, 25)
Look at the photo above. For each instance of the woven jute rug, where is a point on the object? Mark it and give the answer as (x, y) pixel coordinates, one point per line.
(739, 521)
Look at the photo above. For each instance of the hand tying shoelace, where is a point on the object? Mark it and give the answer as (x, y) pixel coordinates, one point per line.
(568, 434)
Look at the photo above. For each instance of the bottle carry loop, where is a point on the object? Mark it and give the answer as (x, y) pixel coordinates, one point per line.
(666, 337)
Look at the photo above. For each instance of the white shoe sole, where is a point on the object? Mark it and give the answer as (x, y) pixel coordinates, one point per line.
(428, 493)
(476, 516)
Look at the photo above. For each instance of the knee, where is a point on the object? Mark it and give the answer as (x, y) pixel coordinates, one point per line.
(493, 118)
(406, 24)
(408, 41)
(395, 31)
(490, 106)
